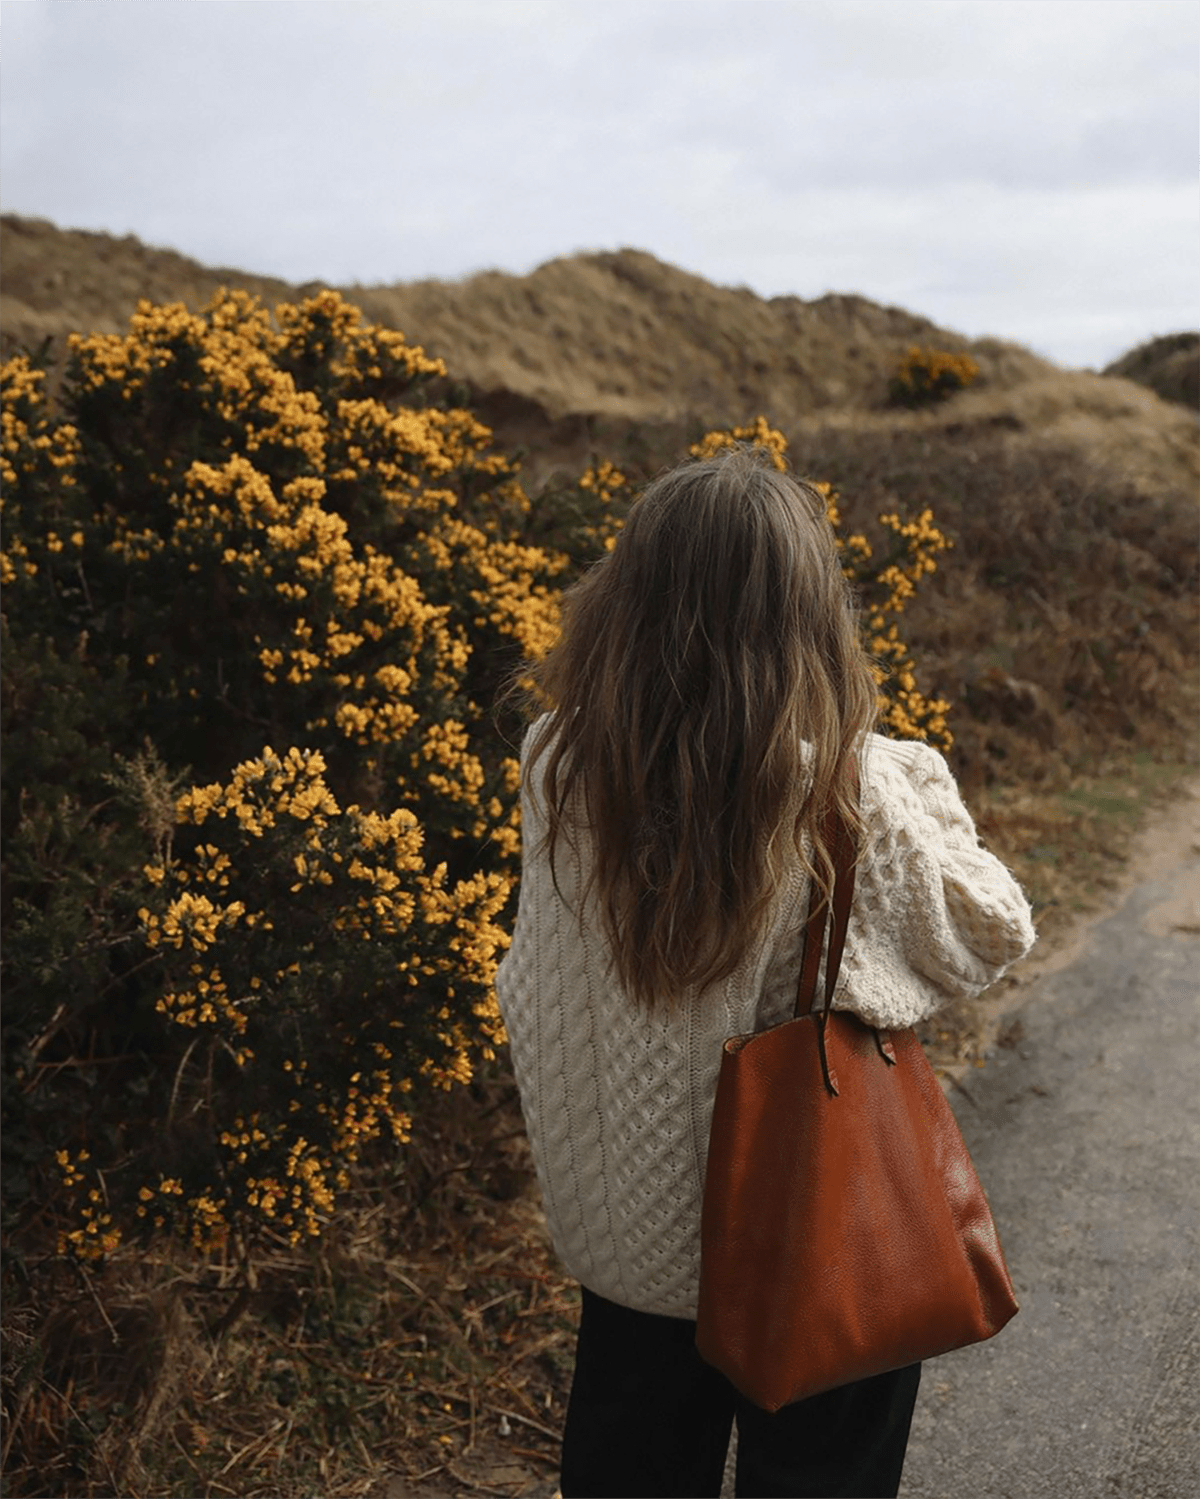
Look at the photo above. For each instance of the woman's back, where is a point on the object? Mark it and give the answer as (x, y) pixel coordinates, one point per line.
(618, 1096)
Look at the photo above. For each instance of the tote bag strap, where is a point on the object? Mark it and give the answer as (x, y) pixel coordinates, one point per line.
(838, 839)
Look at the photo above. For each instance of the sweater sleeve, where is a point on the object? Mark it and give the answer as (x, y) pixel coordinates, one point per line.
(936, 916)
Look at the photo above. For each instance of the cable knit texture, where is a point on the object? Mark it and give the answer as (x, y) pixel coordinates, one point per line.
(617, 1101)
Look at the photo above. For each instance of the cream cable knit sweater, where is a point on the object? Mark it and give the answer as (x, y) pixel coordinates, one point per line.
(617, 1102)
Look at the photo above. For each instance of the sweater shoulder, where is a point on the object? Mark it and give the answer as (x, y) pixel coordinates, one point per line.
(908, 757)
(892, 768)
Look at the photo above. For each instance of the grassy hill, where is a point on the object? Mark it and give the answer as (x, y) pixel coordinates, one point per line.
(1170, 366)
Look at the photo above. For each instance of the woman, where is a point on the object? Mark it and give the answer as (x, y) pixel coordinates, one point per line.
(710, 697)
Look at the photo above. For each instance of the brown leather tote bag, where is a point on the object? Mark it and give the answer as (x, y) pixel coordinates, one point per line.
(844, 1231)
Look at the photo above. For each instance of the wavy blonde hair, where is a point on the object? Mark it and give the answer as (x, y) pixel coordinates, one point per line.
(709, 691)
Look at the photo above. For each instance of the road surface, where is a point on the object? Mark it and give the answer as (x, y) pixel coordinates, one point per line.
(1085, 1129)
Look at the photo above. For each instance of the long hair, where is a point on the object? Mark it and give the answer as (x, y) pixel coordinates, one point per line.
(709, 692)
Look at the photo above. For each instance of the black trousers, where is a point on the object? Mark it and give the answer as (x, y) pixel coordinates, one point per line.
(647, 1417)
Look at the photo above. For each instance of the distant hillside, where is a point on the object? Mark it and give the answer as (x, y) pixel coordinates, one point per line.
(623, 334)
(617, 335)
(59, 281)
(592, 345)
(1169, 365)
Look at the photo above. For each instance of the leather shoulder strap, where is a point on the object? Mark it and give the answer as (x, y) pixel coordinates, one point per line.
(838, 839)
(845, 862)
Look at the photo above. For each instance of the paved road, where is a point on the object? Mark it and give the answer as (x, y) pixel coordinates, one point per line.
(1086, 1134)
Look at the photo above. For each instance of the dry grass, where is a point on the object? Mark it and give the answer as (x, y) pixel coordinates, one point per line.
(623, 335)
(618, 335)
(425, 1342)
(424, 1345)
(1064, 623)
(58, 281)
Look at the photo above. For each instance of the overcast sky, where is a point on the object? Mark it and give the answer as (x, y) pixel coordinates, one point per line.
(1025, 168)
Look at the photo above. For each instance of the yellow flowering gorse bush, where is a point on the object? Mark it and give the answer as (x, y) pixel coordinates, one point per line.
(290, 907)
(235, 530)
(884, 584)
(925, 376)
